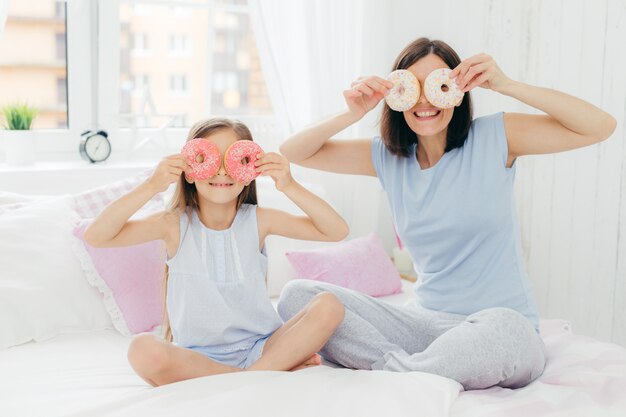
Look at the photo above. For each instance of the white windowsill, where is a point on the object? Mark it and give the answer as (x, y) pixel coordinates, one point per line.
(73, 166)
(63, 177)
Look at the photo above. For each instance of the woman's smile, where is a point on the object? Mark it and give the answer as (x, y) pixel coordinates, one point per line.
(426, 115)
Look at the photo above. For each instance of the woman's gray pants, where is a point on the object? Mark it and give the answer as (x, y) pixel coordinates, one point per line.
(496, 346)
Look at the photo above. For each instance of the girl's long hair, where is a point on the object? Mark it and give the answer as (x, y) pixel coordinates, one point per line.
(185, 198)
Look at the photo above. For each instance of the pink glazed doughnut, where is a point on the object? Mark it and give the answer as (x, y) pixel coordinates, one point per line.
(440, 90)
(203, 156)
(239, 160)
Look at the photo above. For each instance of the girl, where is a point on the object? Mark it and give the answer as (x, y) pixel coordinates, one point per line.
(449, 182)
(217, 305)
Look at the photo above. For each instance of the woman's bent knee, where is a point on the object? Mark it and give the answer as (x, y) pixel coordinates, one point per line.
(517, 350)
(294, 296)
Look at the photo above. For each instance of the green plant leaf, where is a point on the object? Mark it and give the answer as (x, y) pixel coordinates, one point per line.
(19, 116)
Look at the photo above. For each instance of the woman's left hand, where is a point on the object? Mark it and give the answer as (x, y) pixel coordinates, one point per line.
(277, 167)
(479, 71)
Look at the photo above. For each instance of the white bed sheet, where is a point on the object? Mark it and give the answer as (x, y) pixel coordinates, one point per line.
(88, 375)
(583, 378)
(67, 373)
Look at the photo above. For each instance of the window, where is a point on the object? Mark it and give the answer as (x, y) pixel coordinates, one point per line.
(61, 91)
(178, 84)
(60, 46)
(222, 77)
(142, 9)
(180, 12)
(59, 9)
(180, 122)
(61, 121)
(139, 43)
(179, 45)
(36, 72)
(143, 51)
(141, 82)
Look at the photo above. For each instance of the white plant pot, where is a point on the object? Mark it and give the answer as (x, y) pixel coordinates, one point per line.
(19, 146)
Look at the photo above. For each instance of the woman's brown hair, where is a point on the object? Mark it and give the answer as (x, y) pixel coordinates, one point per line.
(396, 133)
(185, 198)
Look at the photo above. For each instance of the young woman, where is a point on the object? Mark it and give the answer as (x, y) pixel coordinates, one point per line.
(449, 182)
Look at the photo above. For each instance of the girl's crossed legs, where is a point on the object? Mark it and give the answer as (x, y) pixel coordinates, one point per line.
(292, 346)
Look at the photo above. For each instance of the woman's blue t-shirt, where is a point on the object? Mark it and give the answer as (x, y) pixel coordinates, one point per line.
(459, 223)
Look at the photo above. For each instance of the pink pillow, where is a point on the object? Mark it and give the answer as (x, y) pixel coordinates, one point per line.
(130, 280)
(360, 264)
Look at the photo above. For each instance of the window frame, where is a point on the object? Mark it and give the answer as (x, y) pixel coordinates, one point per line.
(109, 75)
(61, 143)
(93, 62)
(180, 45)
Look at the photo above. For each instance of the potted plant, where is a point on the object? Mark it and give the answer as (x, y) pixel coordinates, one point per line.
(18, 138)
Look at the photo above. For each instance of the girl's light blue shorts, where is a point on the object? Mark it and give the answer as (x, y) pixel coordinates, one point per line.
(238, 358)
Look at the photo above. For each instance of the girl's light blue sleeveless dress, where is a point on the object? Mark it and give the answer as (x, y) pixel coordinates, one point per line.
(217, 300)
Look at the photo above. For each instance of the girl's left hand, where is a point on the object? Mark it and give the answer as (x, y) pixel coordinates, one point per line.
(480, 70)
(277, 167)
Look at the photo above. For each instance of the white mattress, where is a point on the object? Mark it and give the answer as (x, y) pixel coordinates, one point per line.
(88, 375)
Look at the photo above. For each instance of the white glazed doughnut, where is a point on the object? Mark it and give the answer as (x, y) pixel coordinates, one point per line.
(405, 91)
(440, 90)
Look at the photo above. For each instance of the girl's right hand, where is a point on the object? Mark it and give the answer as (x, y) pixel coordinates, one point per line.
(365, 94)
(167, 172)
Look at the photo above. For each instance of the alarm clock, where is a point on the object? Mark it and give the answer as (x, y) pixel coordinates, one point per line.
(94, 146)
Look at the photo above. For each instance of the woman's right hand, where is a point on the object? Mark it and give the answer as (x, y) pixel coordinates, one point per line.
(167, 172)
(365, 94)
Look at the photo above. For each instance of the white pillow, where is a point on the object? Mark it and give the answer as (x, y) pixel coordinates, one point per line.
(43, 291)
(11, 201)
(89, 203)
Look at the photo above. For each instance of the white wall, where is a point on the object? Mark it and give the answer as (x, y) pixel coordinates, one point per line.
(572, 205)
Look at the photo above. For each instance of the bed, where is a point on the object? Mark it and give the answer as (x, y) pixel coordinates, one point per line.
(85, 372)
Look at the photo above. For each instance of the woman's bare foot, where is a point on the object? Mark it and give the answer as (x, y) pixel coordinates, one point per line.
(314, 360)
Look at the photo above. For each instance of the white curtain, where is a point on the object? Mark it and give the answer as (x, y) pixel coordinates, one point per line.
(4, 9)
(310, 51)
